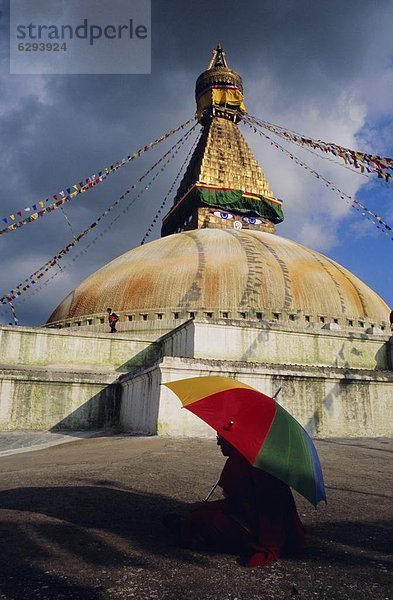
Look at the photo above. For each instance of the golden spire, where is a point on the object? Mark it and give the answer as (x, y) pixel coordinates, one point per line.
(223, 185)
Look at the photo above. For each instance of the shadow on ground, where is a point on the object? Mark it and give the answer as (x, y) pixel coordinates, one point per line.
(104, 525)
(98, 525)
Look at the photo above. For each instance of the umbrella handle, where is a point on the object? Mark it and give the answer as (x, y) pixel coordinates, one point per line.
(213, 487)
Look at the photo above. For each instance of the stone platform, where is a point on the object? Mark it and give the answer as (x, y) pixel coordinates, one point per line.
(337, 383)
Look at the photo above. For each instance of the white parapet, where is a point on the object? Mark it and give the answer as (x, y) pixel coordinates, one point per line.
(331, 402)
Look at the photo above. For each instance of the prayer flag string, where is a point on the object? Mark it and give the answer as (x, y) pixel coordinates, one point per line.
(48, 205)
(340, 164)
(34, 278)
(34, 290)
(132, 201)
(366, 163)
(67, 221)
(157, 215)
(13, 312)
(356, 204)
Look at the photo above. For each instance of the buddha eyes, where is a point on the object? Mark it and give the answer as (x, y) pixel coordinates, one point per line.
(223, 215)
(227, 215)
(252, 220)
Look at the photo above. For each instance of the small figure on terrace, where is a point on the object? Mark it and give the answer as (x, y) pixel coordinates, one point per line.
(112, 319)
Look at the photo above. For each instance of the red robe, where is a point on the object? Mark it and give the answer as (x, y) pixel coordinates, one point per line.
(257, 519)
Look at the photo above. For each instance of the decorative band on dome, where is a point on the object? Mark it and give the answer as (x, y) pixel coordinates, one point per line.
(217, 76)
(211, 78)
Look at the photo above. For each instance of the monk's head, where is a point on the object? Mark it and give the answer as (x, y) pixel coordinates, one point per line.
(226, 447)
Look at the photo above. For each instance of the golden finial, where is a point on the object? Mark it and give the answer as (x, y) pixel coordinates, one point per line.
(218, 59)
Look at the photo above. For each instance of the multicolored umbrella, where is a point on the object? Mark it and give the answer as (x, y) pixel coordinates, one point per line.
(258, 427)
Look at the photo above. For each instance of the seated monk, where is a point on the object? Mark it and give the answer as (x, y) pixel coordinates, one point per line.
(257, 518)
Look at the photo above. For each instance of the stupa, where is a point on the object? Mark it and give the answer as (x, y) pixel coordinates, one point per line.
(220, 293)
(219, 256)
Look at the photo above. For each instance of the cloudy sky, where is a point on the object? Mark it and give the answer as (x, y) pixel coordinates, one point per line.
(321, 68)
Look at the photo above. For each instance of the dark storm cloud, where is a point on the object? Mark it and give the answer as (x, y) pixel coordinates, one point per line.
(54, 130)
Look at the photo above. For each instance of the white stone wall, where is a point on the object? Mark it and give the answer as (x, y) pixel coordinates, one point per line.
(275, 344)
(140, 398)
(336, 383)
(33, 399)
(327, 402)
(32, 346)
(65, 380)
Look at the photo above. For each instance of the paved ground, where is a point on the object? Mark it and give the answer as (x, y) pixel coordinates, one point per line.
(82, 521)
(15, 442)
